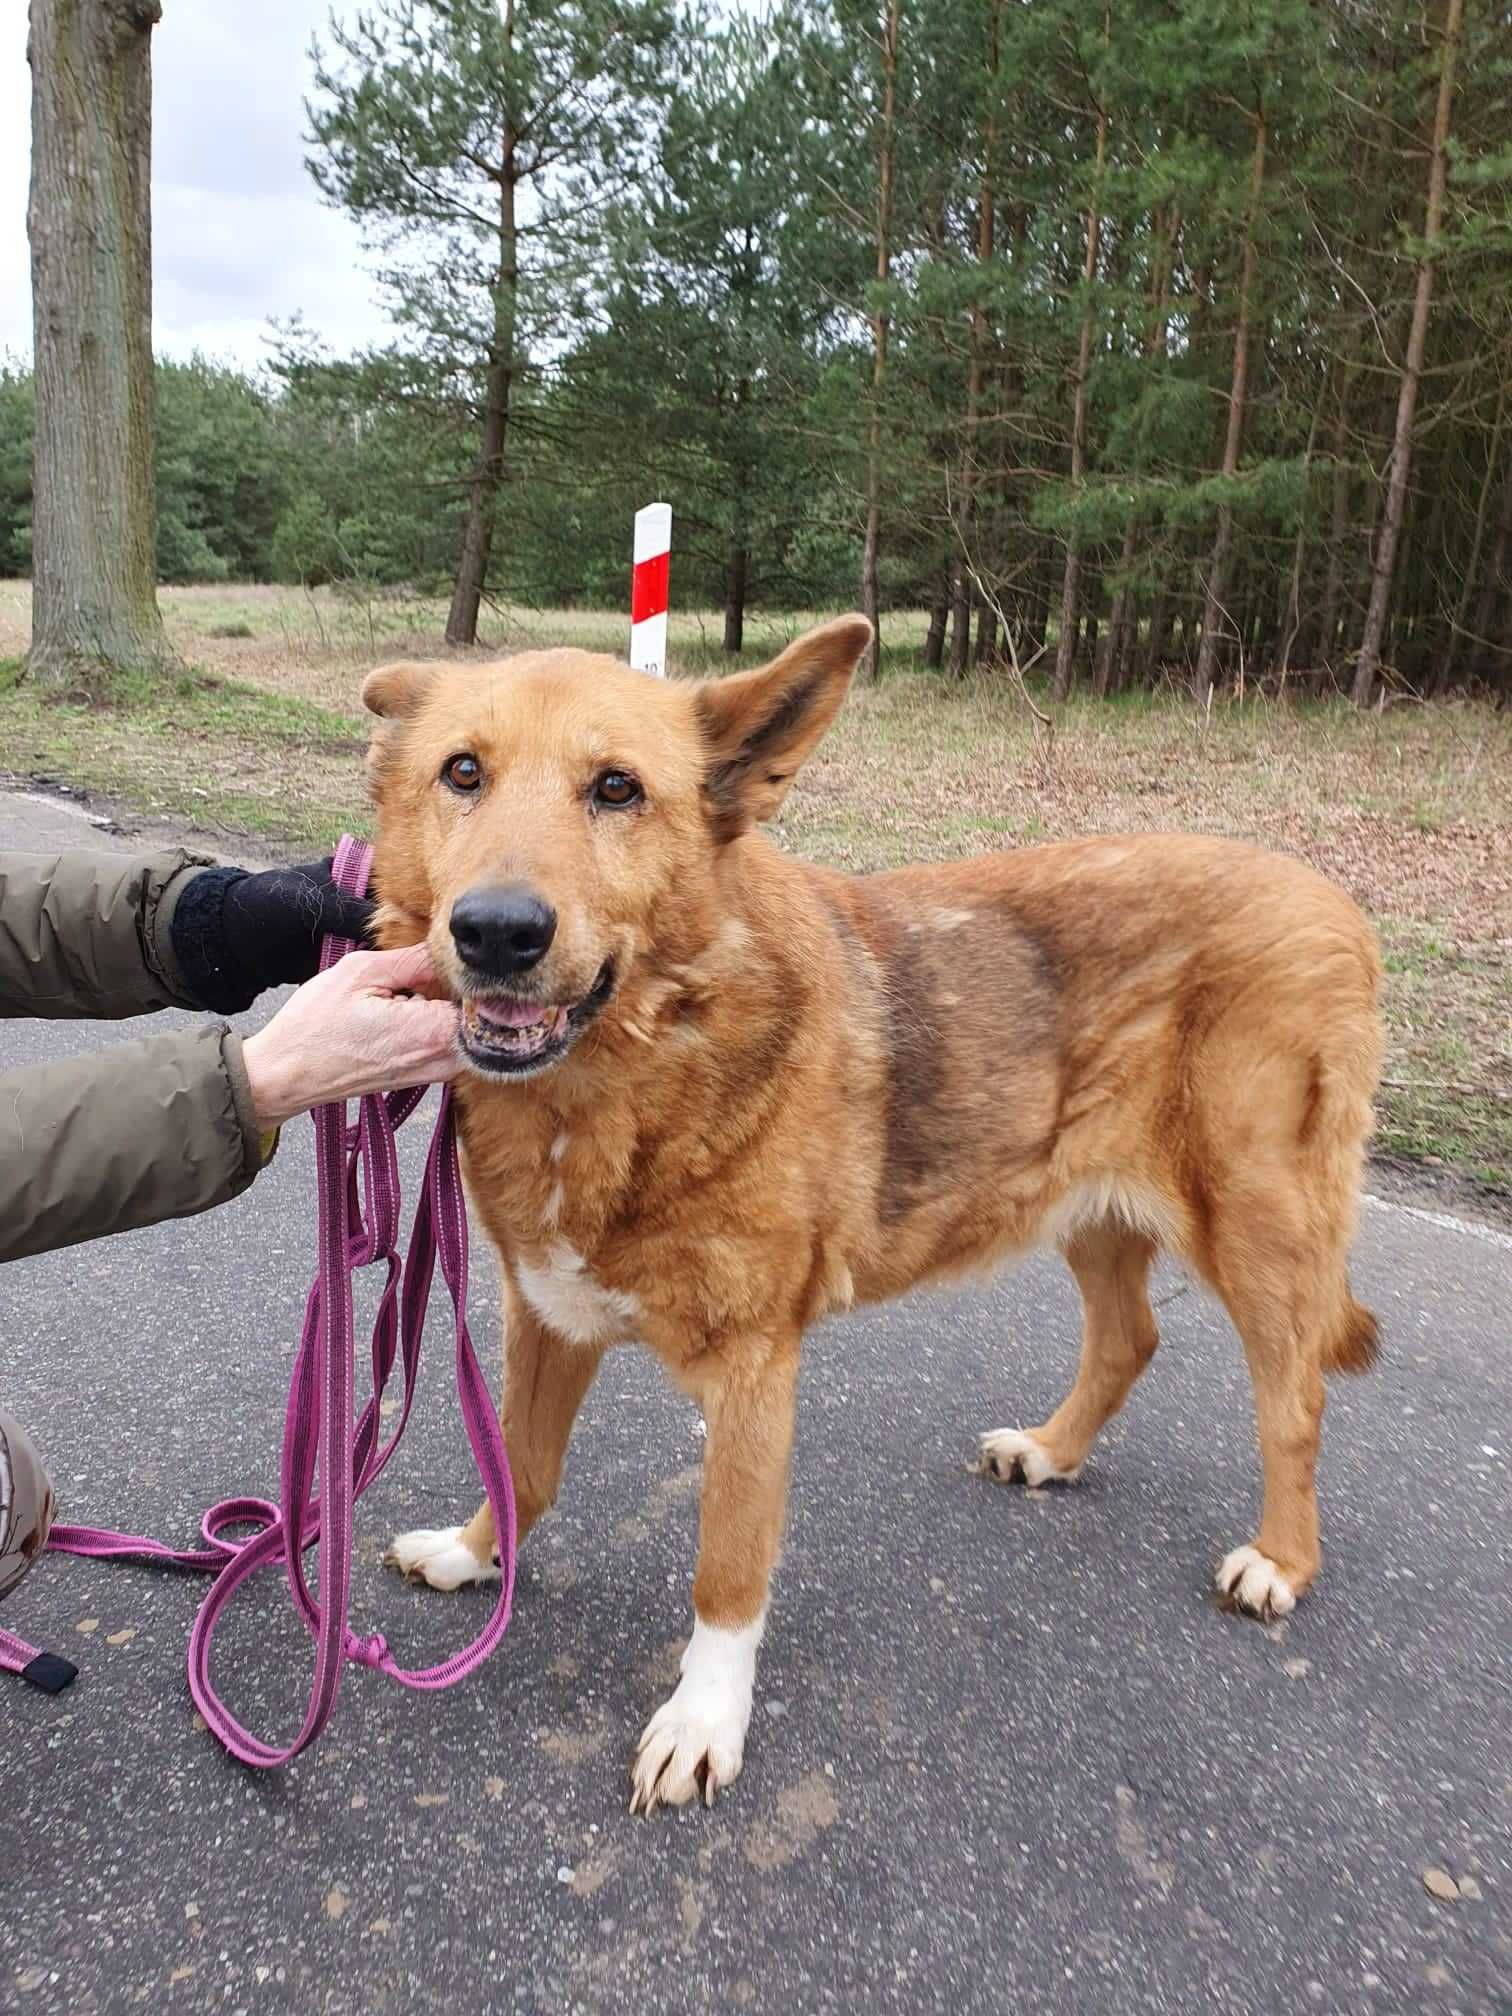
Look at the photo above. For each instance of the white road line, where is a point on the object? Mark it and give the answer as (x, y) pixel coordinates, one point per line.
(1488, 1233)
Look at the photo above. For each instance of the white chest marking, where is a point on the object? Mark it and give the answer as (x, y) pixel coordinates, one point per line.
(570, 1302)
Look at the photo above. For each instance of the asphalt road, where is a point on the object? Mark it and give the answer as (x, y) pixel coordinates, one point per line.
(1006, 1751)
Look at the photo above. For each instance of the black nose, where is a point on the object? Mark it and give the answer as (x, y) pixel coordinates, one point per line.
(502, 930)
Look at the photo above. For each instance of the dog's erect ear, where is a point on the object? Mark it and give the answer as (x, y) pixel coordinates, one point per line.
(396, 690)
(758, 727)
(393, 692)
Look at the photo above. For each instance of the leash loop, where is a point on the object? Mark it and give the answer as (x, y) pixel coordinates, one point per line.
(324, 1449)
(370, 1651)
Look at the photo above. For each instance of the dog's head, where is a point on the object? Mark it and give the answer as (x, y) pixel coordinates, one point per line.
(553, 826)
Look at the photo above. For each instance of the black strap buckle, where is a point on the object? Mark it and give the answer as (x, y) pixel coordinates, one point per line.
(50, 1673)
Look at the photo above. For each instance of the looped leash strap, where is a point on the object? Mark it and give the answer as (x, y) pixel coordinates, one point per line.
(357, 1171)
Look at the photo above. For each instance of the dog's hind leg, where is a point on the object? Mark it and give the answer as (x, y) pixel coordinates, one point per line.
(545, 1381)
(1111, 1264)
(1280, 1296)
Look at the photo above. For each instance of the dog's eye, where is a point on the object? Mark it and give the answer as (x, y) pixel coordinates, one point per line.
(462, 773)
(616, 788)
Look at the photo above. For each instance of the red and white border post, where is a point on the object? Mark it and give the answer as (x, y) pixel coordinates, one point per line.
(648, 589)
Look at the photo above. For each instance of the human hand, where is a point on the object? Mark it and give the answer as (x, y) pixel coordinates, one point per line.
(364, 1025)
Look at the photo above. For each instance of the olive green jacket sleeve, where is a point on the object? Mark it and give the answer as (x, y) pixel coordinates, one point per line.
(91, 934)
(161, 1127)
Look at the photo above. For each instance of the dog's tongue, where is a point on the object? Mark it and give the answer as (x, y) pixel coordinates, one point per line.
(513, 1014)
(516, 1030)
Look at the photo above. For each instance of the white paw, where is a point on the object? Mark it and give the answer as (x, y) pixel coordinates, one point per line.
(1252, 1582)
(1012, 1455)
(440, 1557)
(696, 1739)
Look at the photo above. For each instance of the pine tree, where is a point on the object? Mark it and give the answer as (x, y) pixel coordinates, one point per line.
(1367, 668)
(715, 318)
(487, 140)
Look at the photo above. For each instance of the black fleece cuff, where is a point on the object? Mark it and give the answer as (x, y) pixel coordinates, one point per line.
(211, 974)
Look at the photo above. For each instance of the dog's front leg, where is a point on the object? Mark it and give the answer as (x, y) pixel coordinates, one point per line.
(696, 1739)
(545, 1381)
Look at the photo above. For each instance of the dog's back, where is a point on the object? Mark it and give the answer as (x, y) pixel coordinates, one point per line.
(1059, 1030)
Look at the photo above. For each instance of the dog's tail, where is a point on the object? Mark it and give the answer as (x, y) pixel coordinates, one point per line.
(1353, 1340)
(1337, 1121)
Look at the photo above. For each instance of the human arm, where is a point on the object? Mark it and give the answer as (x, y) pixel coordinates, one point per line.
(175, 1123)
(103, 936)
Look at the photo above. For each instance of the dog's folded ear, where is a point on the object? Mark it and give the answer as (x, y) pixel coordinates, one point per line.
(759, 726)
(393, 691)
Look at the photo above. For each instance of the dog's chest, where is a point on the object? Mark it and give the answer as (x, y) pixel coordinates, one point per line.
(557, 1283)
(552, 1221)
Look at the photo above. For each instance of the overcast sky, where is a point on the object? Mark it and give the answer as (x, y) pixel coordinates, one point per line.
(238, 234)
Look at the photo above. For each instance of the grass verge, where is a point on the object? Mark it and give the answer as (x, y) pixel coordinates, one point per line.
(224, 756)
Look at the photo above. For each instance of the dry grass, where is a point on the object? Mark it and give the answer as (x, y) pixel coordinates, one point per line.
(319, 644)
(1410, 810)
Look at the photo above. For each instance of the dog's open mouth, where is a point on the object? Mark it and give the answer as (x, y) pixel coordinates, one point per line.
(507, 1037)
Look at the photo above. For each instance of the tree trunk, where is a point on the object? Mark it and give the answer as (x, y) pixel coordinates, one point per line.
(1089, 628)
(1290, 625)
(1108, 677)
(1421, 581)
(1333, 588)
(1217, 581)
(1105, 673)
(1368, 665)
(986, 636)
(961, 596)
(934, 636)
(482, 501)
(1499, 675)
(94, 575)
(1442, 676)
(1065, 645)
(960, 621)
(1483, 645)
(871, 594)
(1157, 645)
(1338, 531)
(736, 567)
(488, 474)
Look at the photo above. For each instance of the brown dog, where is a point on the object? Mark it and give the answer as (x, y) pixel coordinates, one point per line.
(716, 1094)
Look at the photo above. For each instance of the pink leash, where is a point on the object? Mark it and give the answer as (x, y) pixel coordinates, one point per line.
(318, 1426)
